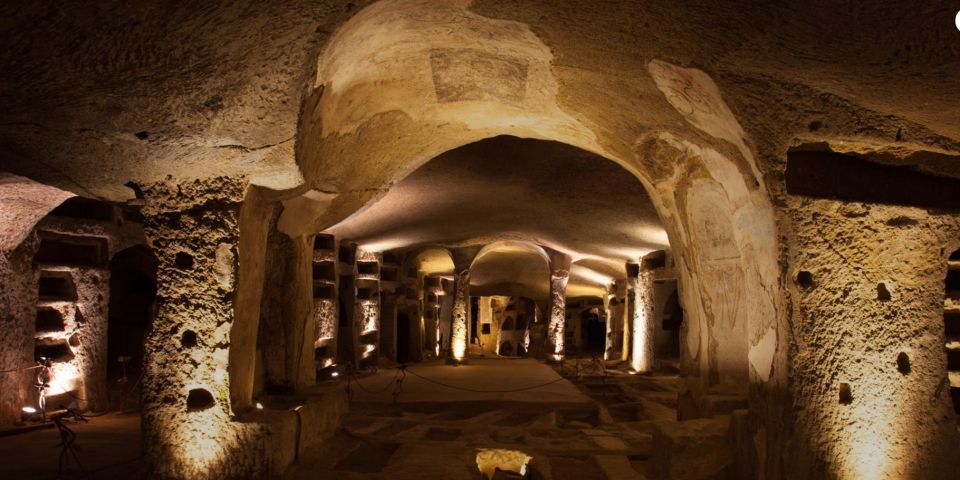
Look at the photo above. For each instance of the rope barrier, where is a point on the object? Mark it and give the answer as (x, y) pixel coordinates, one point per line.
(20, 369)
(402, 370)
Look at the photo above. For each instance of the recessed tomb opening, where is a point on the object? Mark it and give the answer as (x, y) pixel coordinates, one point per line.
(368, 268)
(951, 325)
(56, 350)
(56, 286)
(57, 249)
(323, 242)
(325, 271)
(49, 320)
(86, 209)
(324, 291)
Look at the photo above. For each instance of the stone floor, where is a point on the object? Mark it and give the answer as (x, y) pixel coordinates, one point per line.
(590, 423)
(594, 427)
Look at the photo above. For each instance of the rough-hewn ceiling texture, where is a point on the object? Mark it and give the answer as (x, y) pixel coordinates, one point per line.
(99, 94)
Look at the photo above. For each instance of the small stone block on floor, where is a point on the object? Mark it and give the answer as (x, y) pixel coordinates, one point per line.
(692, 450)
(617, 467)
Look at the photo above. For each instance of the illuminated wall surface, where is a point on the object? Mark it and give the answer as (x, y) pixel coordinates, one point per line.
(458, 335)
(642, 323)
(558, 311)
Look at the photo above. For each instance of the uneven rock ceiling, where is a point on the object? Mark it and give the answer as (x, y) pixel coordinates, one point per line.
(506, 188)
(97, 95)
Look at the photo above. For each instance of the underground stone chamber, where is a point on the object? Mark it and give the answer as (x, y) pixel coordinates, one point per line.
(618, 240)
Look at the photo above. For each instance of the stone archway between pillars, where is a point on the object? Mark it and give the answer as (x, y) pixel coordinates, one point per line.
(697, 167)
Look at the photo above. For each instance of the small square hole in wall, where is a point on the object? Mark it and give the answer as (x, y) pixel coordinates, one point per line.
(485, 329)
(845, 394)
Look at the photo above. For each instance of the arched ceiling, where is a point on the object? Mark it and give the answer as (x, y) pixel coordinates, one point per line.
(507, 188)
(511, 271)
(434, 261)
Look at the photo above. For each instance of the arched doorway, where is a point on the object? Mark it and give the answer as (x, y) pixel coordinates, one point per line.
(131, 308)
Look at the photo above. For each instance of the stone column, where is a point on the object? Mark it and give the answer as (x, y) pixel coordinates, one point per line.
(18, 311)
(640, 317)
(193, 228)
(459, 330)
(559, 275)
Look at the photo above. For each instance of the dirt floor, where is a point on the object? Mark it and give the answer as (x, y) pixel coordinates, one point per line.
(107, 447)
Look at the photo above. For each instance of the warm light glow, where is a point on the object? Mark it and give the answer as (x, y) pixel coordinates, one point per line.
(29, 410)
(63, 378)
(491, 459)
(641, 358)
(259, 406)
(335, 374)
(458, 334)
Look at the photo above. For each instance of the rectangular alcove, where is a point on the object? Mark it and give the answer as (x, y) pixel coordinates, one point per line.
(56, 249)
(368, 269)
(56, 350)
(324, 291)
(325, 271)
(56, 286)
(388, 275)
(86, 209)
(347, 253)
(432, 283)
(391, 259)
(851, 178)
(365, 291)
(49, 320)
(323, 242)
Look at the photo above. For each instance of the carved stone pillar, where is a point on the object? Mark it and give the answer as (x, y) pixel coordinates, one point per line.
(559, 276)
(458, 331)
(640, 317)
(193, 227)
